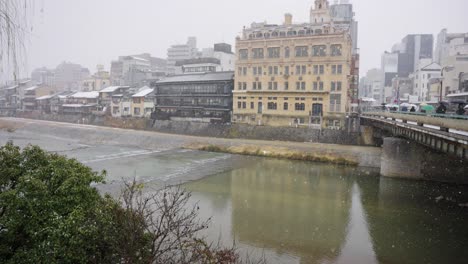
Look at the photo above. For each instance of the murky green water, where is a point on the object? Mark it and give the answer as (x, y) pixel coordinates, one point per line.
(295, 212)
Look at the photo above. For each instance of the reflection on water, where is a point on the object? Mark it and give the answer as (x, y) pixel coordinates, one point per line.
(295, 212)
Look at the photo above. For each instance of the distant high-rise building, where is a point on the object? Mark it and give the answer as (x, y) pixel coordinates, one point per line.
(181, 52)
(343, 16)
(370, 85)
(43, 76)
(403, 60)
(69, 76)
(137, 70)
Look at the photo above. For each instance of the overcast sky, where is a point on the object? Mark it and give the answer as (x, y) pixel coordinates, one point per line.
(92, 32)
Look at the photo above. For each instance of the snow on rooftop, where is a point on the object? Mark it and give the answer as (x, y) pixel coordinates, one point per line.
(143, 93)
(31, 88)
(88, 95)
(138, 58)
(78, 105)
(112, 89)
(45, 97)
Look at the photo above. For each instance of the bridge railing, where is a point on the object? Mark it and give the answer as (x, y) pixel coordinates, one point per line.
(444, 122)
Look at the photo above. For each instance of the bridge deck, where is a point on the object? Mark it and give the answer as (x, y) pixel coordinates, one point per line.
(439, 136)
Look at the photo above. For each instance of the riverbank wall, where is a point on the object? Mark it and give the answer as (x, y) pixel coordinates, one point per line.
(229, 131)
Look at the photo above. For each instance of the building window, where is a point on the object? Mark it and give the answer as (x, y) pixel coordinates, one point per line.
(285, 106)
(244, 105)
(286, 86)
(286, 70)
(338, 86)
(337, 69)
(275, 86)
(335, 103)
(239, 105)
(259, 85)
(239, 71)
(272, 106)
(273, 53)
(239, 86)
(136, 111)
(302, 51)
(300, 86)
(252, 105)
(257, 70)
(315, 86)
(299, 107)
(336, 50)
(275, 70)
(286, 52)
(319, 69)
(244, 86)
(243, 54)
(270, 86)
(254, 86)
(321, 86)
(301, 70)
(244, 70)
(319, 51)
(257, 53)
(270, 70)
(136, 101)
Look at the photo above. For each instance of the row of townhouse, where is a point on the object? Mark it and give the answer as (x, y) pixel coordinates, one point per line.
(110, 100)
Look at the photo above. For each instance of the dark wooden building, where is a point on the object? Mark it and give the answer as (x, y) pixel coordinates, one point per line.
(199, 97)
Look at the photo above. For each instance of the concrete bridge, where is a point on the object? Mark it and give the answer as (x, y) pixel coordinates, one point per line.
(418, 145)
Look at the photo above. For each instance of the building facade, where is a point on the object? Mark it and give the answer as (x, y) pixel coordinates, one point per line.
(294, 74)
(425, 70)
(181, 52)
(452, 52)
(403, 60)
(98, 81)
(70, 76)
(199, 97)
(137, 70)
(371, 86)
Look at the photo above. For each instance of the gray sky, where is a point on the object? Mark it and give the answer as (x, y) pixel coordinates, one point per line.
(92, 32)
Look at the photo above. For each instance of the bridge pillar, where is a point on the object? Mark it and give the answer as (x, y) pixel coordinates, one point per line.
(367, 135)
(401, 159)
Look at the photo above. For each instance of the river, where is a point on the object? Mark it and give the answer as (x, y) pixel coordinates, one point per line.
(288, 211)
(297, 212)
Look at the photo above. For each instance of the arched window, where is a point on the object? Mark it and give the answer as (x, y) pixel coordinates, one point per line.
(275, 34)
(259, 35)
(301, 32)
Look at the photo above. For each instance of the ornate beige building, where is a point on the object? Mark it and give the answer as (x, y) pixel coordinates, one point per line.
(294, 74)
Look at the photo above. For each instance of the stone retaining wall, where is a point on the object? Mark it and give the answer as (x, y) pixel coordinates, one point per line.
(257, 132)
(206, 129)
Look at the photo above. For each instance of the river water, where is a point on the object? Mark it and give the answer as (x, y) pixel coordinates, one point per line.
(297, 212)
(287, 211)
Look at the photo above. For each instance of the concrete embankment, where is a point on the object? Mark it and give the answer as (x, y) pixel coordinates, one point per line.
(87, 134)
